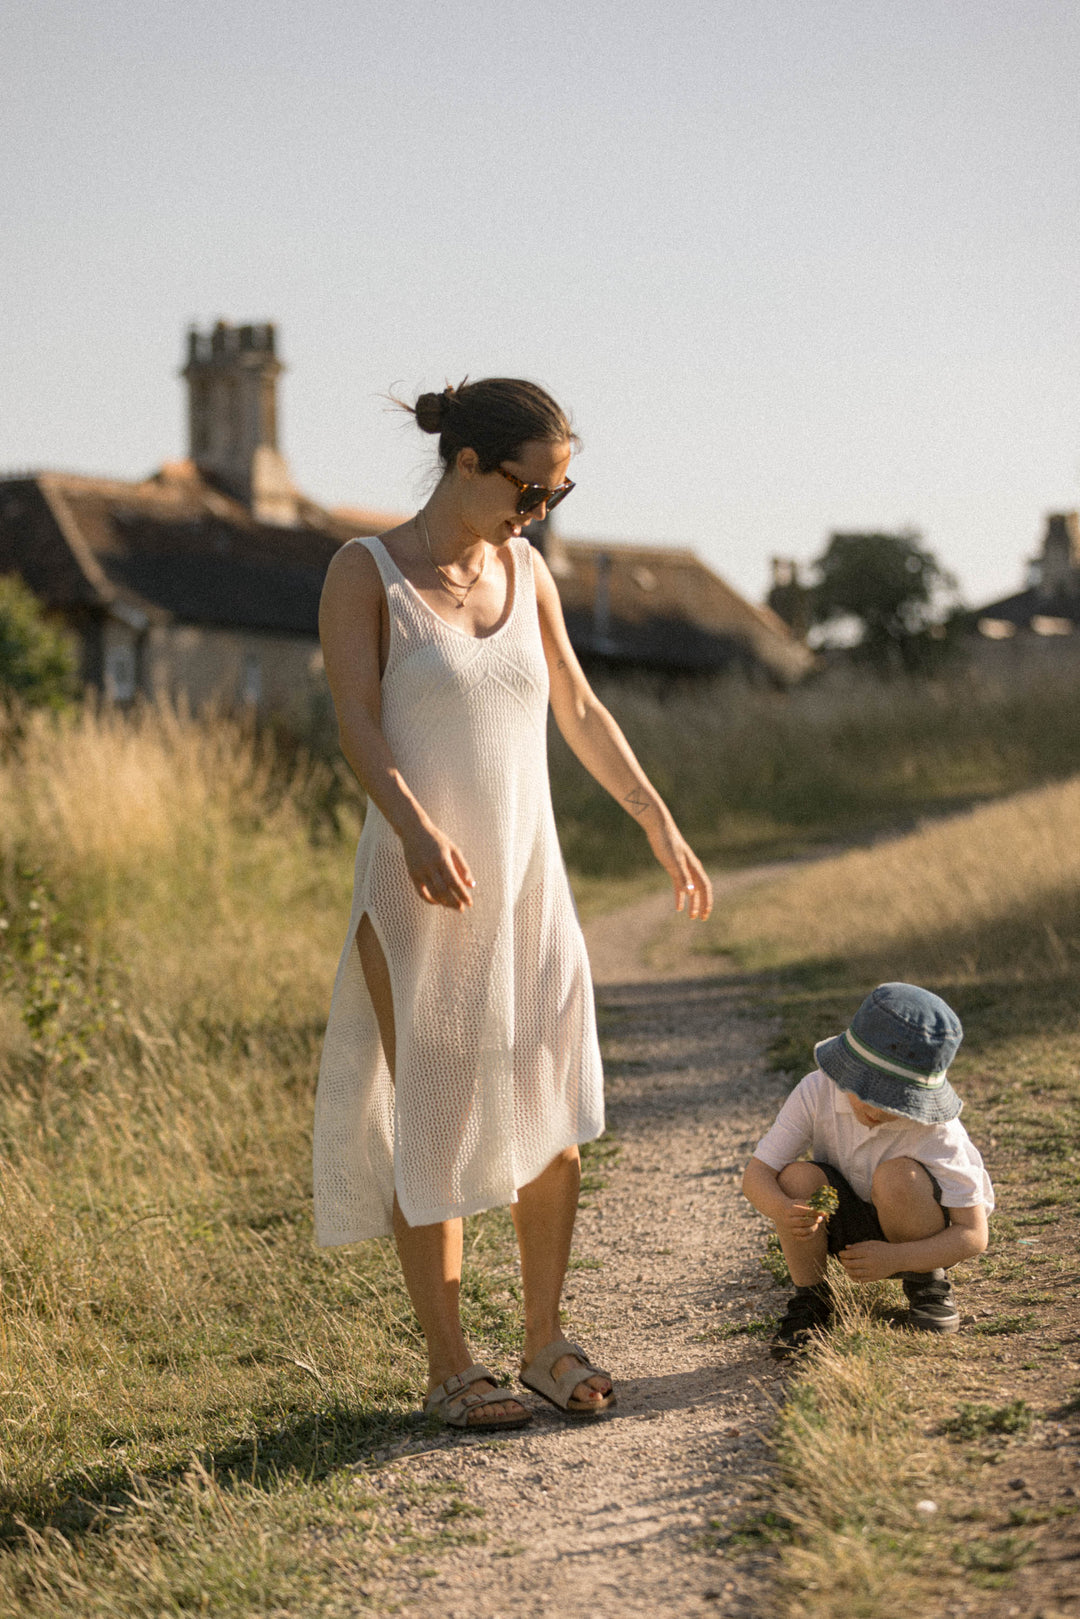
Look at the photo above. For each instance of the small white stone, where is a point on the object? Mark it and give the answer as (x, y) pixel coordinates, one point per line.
(927, 1508)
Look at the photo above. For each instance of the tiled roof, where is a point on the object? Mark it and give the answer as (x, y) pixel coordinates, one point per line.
(170, 547)
(1028, 605)
(362, 521)
(665, 608)
(175, 546)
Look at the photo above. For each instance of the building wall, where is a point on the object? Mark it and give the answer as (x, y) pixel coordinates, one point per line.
(1025, 654)
(272, 674)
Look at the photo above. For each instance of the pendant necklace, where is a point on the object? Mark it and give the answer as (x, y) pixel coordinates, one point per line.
(454, 588)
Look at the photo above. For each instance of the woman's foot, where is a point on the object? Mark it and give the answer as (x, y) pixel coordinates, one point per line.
(595, 1390)
(507, 1411)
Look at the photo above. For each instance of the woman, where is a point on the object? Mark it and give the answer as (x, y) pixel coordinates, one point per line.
(461, 1069)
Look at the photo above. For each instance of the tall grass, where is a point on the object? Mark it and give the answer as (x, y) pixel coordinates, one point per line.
(985, 909)
(171, 908)
(996, 889)
(173, 843)
(751, 772)
(181, 1374)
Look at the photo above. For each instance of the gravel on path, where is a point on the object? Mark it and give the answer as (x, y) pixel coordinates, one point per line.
(622, 1516)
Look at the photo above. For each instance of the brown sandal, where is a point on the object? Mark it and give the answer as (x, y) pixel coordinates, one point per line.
(452, 1401)
(559, 1391)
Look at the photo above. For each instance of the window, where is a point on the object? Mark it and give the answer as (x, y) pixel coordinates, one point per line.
(251, 681)
(120, 672)
(1043, 624)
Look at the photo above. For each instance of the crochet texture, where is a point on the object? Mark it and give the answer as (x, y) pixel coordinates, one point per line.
(498, 1067)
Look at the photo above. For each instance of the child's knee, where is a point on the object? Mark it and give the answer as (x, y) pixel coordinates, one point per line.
(902, 1184)
(801, 1180)
(901, 1180)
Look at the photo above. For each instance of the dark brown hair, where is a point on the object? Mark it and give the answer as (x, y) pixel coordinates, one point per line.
(494, 417)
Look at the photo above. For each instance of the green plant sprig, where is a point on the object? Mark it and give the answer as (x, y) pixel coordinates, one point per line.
(824, 1201)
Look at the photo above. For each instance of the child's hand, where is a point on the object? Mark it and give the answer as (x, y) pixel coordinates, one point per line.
(868, 1261)
(800, 1221)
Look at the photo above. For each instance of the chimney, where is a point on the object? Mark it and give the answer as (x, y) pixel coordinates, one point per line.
(1059, 573)
(232, 374)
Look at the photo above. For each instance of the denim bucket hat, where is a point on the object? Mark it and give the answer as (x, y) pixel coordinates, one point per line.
(896, 1052)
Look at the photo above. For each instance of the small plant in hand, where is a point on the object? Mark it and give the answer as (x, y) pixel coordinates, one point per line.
(824, 1201)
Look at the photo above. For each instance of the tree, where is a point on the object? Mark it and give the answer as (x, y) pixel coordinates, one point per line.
(37, 662)
(892, 586)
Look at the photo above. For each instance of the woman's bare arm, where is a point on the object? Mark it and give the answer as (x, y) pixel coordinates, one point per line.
(350, 615)
(597, 741)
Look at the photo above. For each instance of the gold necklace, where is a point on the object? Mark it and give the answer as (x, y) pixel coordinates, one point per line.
(454, 588)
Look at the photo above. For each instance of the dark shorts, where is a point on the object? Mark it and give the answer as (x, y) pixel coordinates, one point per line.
(855, 1220)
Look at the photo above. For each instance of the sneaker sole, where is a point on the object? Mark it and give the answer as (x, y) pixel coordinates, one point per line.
(942, 1328)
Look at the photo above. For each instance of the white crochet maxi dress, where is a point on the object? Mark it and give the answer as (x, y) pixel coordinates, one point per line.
(498, 1067)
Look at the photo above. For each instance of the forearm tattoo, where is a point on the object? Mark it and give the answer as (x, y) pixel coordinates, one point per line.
(636, 803)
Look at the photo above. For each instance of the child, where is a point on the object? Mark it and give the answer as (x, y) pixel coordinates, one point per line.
(881, 1123)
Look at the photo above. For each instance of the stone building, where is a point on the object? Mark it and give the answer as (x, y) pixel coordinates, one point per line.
(1048, 608)
(202, 581)
(661, 609)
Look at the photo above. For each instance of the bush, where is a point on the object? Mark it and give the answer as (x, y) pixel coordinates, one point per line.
(37, 662)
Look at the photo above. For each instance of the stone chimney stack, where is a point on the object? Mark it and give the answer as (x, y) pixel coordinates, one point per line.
(1059, 572)
(232, 374)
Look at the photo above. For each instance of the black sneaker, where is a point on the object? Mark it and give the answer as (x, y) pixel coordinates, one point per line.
(931, 1307)
(808, 1309)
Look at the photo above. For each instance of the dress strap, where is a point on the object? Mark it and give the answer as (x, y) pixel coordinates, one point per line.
(524, 583)
(388, 568)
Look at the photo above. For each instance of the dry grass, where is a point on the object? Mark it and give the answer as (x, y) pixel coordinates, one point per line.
(957, 897)
(982, 908)
(752, 773)
(854, 1462)
(175, 843)
(182, 1375)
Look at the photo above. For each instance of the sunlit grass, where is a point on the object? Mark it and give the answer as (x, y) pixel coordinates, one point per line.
(184, 1380)
(992, 889)
(754, 773)
(984, 909)
(182, 1374)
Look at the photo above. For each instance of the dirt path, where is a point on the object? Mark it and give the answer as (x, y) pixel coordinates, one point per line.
(617, 1519)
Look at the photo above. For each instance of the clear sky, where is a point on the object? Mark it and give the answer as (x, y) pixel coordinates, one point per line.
(795, 265)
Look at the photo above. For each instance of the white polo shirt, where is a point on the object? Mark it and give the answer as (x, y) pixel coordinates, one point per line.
(817, 1119)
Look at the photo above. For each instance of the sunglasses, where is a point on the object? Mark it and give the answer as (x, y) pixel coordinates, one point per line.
(531, 495)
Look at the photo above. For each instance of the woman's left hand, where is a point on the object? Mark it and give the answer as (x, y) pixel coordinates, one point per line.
(693, 890)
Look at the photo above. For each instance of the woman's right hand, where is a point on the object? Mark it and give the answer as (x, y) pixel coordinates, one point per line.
(438, 869)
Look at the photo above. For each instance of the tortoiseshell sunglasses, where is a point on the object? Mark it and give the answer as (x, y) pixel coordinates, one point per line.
(531, 495)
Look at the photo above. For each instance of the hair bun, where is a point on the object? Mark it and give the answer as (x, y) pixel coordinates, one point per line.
(430, 412)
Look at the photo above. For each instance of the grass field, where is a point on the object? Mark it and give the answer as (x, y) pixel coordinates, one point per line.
(182, 1375)
(183, 1379)
(754, 774)
(985, 910)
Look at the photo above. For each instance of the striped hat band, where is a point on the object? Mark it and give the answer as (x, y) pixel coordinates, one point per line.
(928, 1082)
